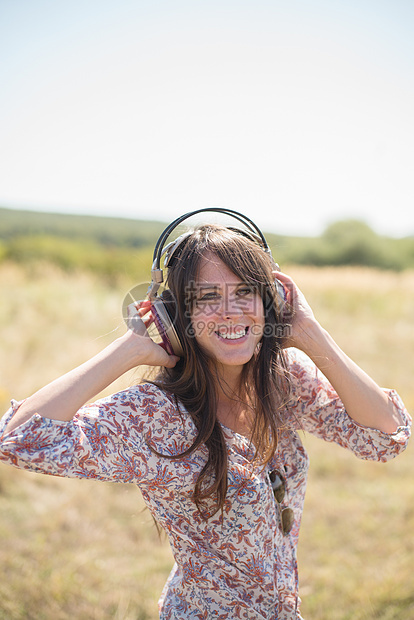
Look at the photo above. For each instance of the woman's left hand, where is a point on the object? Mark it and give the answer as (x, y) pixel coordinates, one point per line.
(362, 398)
(301, 314)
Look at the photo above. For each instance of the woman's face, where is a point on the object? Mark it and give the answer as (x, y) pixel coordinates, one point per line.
(227, 316)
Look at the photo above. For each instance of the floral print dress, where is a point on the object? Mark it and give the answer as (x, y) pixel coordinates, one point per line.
(237, 564)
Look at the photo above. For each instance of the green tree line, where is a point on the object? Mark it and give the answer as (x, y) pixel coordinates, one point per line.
(116, 246)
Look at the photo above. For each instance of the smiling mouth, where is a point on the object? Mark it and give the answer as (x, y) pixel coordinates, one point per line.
(233, 334)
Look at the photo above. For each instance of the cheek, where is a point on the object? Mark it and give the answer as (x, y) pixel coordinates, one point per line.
(203, 325)
(205, 312)
(260, 321)
(257, 310)
(262, 316)
(258, 329)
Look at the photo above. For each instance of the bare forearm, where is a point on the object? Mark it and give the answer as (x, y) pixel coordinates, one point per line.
(62, 398)
(363, 399)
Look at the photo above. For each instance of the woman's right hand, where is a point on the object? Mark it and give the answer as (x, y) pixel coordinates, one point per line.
(147, 352)
(61, 399)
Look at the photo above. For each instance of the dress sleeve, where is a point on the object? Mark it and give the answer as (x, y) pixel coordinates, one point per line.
(105, 440)
(317, 408)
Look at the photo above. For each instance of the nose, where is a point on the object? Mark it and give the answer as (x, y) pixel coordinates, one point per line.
(232, 307)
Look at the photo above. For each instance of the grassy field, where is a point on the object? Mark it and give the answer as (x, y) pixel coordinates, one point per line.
(89, 551)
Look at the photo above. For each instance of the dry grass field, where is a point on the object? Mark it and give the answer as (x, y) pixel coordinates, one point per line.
(89, 551)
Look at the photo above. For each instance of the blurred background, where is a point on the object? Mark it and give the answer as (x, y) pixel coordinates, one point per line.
(298, 113)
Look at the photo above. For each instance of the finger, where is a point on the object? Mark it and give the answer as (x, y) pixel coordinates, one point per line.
(135, 322)
(289, 287)
(142, 307)
(172, 360)
(149, 320)
(279, 275)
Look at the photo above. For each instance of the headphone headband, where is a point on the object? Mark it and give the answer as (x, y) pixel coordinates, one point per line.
(160, 248)
(248, 223)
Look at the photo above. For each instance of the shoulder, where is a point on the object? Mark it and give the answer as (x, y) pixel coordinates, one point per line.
(155, 403)
(299, 363)
(165, 423)
(310, 390)
(143, 412)
(305, 376)
(148, 397)
(138, 405)
(143, 396)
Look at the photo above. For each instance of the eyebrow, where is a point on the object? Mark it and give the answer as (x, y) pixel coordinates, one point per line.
(216, 287)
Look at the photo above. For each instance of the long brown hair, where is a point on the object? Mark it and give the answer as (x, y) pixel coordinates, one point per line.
(264, 381)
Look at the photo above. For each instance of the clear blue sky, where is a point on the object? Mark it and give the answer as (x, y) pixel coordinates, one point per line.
(297, 113)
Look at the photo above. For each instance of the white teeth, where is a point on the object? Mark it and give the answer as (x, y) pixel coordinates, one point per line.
(232, 336)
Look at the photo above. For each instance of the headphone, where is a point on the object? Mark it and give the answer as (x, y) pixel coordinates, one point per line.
(163, 319)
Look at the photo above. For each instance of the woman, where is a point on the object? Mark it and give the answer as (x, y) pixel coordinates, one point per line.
(212, 442)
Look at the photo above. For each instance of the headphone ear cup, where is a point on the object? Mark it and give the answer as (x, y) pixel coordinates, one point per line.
(281, 298)
(165, 325)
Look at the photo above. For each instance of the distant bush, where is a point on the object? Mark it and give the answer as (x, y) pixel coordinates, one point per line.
(3, 251)
(348, 242)
(71, 255)
(114, 247)
(106, 231)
